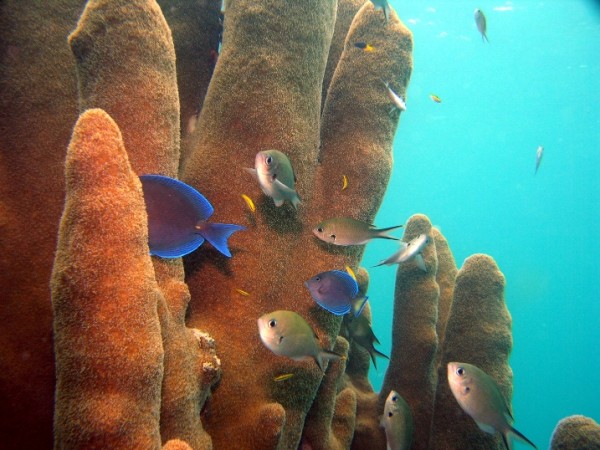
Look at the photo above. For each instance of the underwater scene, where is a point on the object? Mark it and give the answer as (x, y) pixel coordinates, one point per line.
(307, 224)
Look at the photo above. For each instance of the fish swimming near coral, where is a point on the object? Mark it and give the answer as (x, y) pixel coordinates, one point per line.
(397, 422)
(409, 250)
(275, 176)
(177, 218)
(435, 98)
(249, 203)
(383, 4)
(337, 292)
(398, 102)
(538, 157)
(479, 396)
(481, 24)
(364, 46)
(286, 333)
(349, 231)
(360, 332)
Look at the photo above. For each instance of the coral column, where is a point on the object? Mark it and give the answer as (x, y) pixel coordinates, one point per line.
(108, 343)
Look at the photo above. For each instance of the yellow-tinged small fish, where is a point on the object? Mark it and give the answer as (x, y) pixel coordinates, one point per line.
(348, 231)
(286, 333)
(364, 46)
(249, 202)
(351, 272)
(276, 176)
(479, 396)
(242, 292)
(283, 377)
(397, 422)
(344, 182)
(435, 98)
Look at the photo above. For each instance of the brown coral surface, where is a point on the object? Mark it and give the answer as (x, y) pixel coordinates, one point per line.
(136, 346)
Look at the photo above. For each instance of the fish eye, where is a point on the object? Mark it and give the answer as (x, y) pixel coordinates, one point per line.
(272, 323)
(320, 230)
(269, 160)
(395, 398)
(390, 414)
(460, 371)
(317, 278)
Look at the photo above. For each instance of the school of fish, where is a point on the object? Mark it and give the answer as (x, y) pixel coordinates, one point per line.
(178, 225)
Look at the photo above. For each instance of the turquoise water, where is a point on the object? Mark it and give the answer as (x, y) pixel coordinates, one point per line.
(468, 163)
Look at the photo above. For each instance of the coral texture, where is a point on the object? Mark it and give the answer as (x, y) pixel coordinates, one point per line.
(136, 337)
(576, 433)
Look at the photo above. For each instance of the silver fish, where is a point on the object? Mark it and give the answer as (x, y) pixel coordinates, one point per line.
(397, 422)
(409, 250)
(275, 176)
(538, 157)
(481, 23)
(348, 231)
(286, 333)
(383, 4)
(396, 99)
(479, 396)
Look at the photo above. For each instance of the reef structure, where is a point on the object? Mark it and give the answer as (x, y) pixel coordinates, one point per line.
(105, 346)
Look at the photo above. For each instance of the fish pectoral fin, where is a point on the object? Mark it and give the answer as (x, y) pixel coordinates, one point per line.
(251, 172)
(485, 427)
(420, 262)
(326, 355)
(288, 192)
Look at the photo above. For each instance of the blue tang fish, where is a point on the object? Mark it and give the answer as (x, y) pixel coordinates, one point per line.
(177, 215)
(336, 291)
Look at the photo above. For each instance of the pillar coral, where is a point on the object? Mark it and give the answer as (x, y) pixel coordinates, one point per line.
(266, 93)
(576, 432)
(38, 107)
(478, 332)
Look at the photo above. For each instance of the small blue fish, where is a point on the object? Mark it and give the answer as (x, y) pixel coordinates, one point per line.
(177, 216)
(336, 291)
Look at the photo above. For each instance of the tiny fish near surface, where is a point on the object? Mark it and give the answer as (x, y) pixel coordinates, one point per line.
(397, 422)
(337, 292)
(481, 23)
(286, 333)
(276, 177)
(349, 231)
(177, 218)
(538, 157)
(479, 396)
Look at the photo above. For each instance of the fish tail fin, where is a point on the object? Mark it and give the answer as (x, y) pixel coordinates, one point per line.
(387, 11)
(218, 233)
(383, 232)
(520, 436)
(374, 352)
(358, 304)
(326, 355)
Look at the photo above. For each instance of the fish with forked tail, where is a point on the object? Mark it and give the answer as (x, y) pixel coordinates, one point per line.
(479, 396)
(286, 333)
(409, 250)
(348, 231)
(397, 422)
